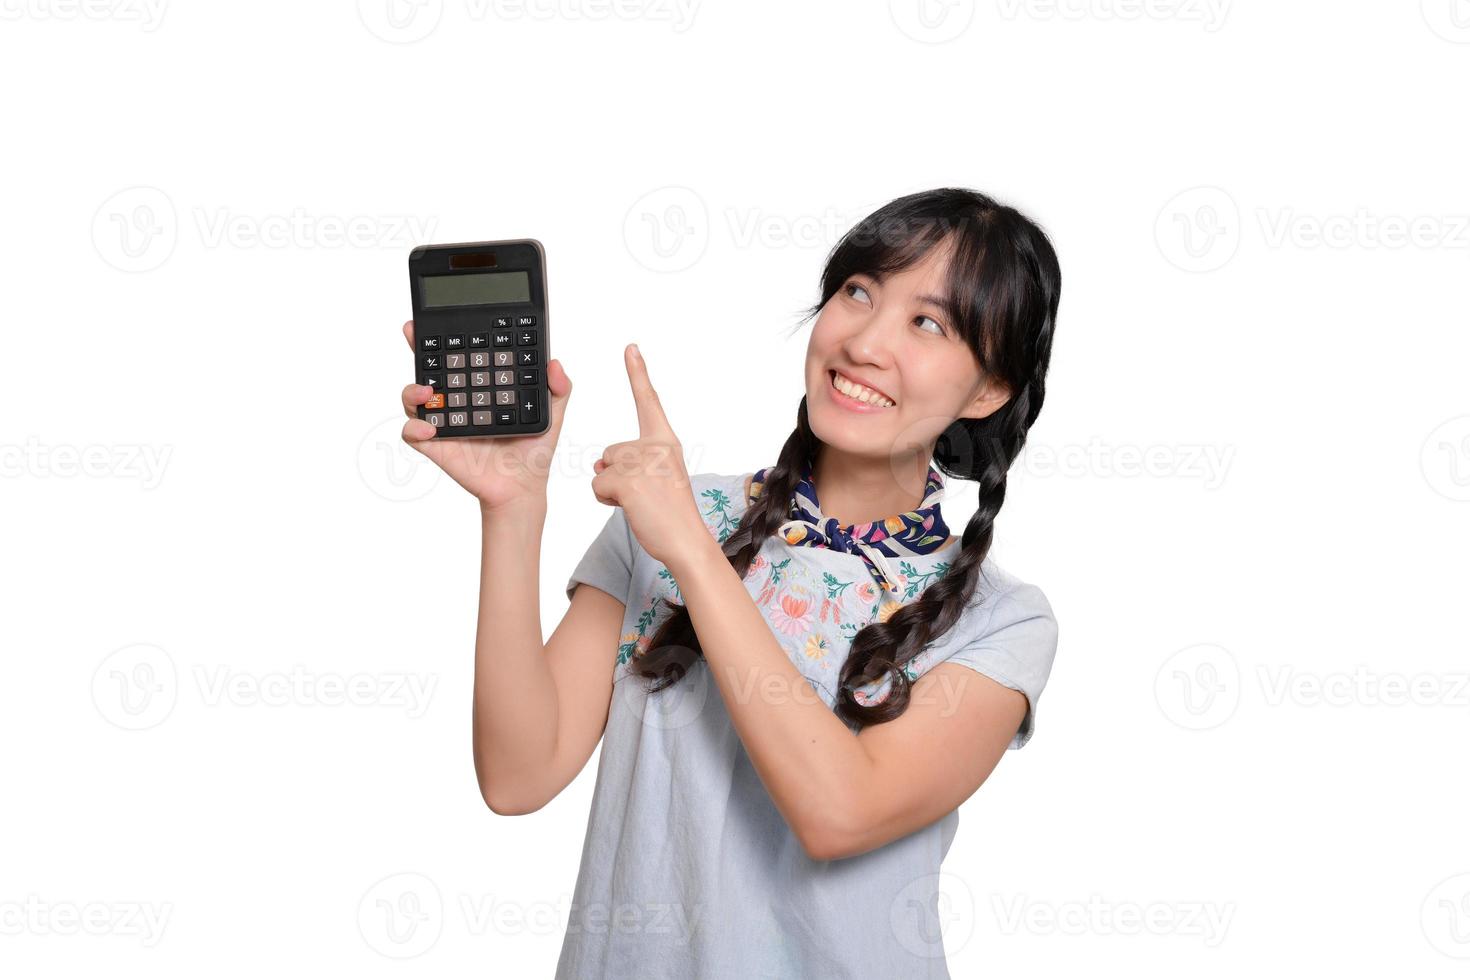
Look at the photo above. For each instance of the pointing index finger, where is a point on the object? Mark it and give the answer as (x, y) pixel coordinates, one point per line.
(651, 418)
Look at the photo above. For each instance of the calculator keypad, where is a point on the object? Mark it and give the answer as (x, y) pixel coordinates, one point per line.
(483, 377)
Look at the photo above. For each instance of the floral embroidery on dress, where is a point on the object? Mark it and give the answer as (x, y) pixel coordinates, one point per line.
(814, 615)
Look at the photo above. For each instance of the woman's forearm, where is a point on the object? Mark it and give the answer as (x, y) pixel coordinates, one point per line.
(808, 759)
(515, 702)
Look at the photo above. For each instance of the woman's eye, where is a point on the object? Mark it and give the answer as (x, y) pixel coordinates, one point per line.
(937, 328)
(851, 286)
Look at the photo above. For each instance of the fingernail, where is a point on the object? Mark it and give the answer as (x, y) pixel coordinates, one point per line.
(637, 353)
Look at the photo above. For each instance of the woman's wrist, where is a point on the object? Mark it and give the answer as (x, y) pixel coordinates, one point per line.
(527, 508)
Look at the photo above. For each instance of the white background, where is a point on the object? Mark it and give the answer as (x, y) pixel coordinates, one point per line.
(1246, 497)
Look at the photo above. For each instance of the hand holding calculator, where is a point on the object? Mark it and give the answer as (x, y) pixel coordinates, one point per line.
(480, 318)
(499, 472)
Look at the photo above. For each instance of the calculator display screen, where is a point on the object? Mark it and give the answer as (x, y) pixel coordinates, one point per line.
(474, 289)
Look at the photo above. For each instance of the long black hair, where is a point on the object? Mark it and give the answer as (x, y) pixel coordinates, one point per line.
(1004, 284)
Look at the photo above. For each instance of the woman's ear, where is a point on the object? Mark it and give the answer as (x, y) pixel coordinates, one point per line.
(992, 395)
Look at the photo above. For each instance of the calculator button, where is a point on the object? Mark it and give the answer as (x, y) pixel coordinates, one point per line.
(483, 418)
(479, 340)
(435, 419)
(433, 380)
(481, 399)
(479, 359)
(454, 343)
(455, 380)
(459, 418)
(505, 416)
(456, 400)
(528, 376)
(502, 338)
(431, 362)
(526, 320)
(479, 379)
(526, 357)
(428, 343)
(526, 338)
(503, 323)
(454, 362)
(505, 397)
(504, 378)
(435, 401)
(528, 406)
(503, 358)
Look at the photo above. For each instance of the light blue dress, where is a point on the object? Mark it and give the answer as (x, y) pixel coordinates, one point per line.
(688, 870)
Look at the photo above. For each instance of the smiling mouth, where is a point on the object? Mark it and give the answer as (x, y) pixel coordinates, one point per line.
(857, 393)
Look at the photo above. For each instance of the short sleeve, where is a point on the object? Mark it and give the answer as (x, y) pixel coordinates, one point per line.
(608, 562)
(1016, 647)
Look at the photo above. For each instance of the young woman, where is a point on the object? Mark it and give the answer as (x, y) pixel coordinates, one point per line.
(799, 673)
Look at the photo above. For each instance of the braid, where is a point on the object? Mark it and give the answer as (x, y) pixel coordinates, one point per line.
(885, 648)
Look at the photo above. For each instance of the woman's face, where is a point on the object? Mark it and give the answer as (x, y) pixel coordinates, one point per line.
(894, 337)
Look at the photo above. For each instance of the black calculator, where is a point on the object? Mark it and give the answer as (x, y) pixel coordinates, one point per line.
(482, 336)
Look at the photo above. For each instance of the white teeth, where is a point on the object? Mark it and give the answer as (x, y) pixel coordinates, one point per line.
(858, 392)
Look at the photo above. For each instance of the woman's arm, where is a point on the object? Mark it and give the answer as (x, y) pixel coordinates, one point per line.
(539, 710)
(841, 794)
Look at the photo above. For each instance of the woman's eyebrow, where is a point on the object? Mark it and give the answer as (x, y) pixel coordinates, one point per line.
(938, 301)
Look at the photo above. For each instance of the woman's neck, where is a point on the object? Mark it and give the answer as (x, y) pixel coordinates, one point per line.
(860, 490)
